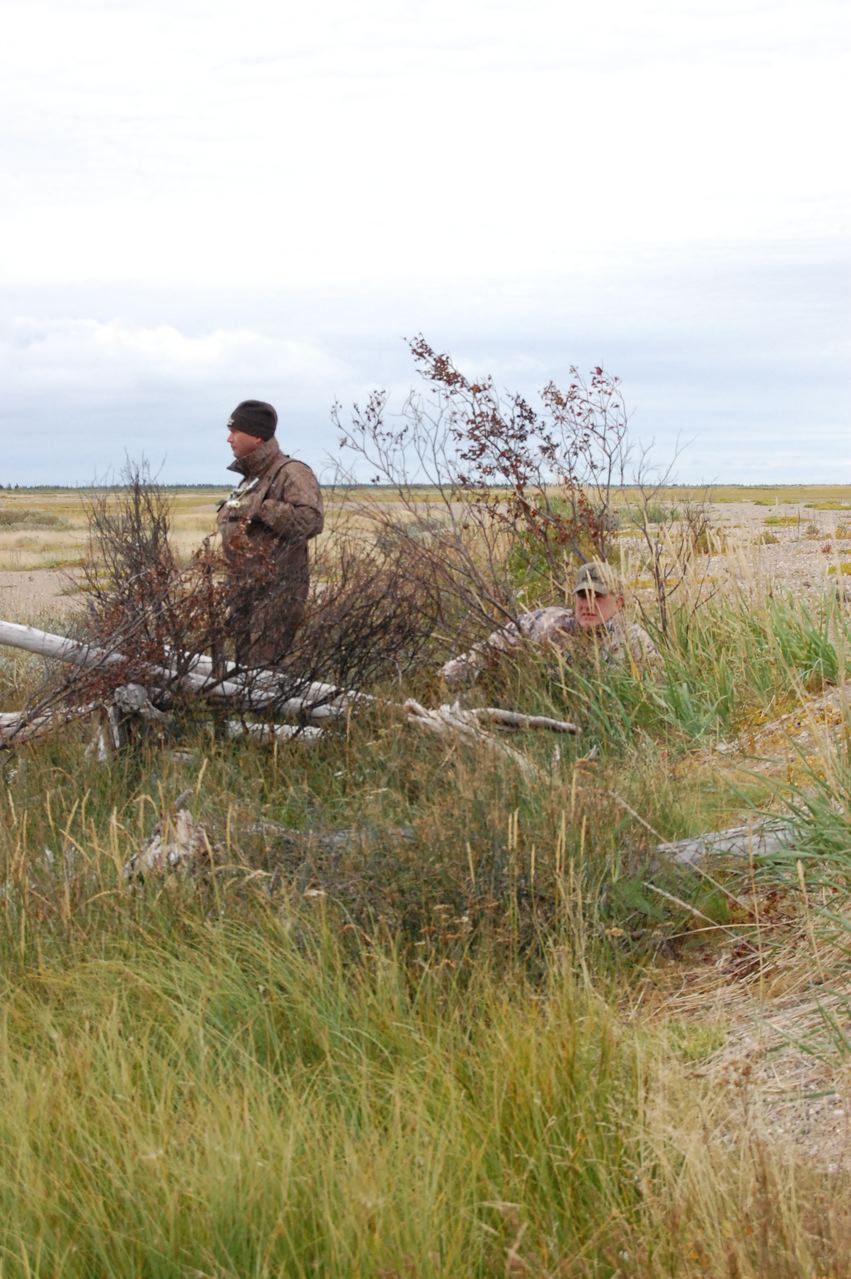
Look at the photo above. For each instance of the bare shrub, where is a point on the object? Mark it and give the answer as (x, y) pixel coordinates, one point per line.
(366, 617)
(672, 546)
(493, 499)
(138, 598)
(674, 539)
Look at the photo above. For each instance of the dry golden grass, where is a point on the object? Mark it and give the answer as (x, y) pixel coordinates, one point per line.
(629, 1111)
(24, 546)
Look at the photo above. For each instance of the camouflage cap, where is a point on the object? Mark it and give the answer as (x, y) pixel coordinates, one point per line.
(599, 577)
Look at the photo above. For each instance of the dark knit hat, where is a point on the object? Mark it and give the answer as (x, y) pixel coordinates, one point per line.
(254, 417)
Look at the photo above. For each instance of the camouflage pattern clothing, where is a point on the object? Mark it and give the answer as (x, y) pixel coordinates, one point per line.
(265, 525)
(555, 628)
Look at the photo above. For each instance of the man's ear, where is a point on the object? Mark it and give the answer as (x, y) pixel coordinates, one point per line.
(620, 600)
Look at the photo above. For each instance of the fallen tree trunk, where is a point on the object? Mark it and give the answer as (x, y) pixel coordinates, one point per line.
(253, 690)
(314, 691)
(250, 691)
(752, 840)
(22, 726)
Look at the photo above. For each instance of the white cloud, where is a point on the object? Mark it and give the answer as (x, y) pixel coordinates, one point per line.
(273, 194)
(302, 145)
(112, 356)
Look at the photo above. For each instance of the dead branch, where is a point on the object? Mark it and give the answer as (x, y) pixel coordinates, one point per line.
(515, 719)
(451, 720)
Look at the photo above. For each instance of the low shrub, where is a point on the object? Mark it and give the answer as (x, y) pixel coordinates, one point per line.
(31, 520)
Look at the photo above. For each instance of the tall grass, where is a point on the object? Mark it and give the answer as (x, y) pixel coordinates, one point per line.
(396, 1027)
(735, 661)
(228, 1097)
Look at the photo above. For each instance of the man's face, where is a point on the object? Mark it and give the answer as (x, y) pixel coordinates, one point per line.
(241, 443)
(595, 610)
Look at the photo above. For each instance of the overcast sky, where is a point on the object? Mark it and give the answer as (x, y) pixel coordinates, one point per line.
(206, 202)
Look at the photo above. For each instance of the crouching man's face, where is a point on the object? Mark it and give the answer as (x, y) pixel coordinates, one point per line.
(594, 610)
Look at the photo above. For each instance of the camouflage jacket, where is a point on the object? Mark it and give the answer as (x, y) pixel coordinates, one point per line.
(619, 640)
(265, 526)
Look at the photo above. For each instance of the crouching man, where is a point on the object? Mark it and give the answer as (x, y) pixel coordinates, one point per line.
(597, 618)
(265, 525)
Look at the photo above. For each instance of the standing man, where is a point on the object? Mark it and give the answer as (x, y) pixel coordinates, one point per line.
(265, 525)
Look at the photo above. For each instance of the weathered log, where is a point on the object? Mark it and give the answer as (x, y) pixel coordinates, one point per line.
(179, 844)
(271, 732)
(17, 727)
(246, 690)
(518, 720)
(751, 840)
(133, 699)
(253, 689)
(47, 645)
(452, 720)
(269, 681)
(259, 690)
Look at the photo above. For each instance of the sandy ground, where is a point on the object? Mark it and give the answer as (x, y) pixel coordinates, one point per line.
(801, 558)
(32, 594)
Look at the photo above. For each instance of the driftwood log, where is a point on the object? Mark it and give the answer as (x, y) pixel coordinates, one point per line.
(253, 691)
(19, 726)
(756, 839)
(249, 691)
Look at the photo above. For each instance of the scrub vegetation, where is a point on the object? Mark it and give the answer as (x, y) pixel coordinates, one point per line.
(448, 1029)
(417, 1012)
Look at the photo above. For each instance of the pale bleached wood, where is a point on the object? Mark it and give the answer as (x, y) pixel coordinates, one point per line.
(757, 839)
(448, 720)
(133, 699)
(271, 732)
(312, 691)
(178, 843)
(245, 690)
(518, 720)
(255, 690)
(17, 727)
